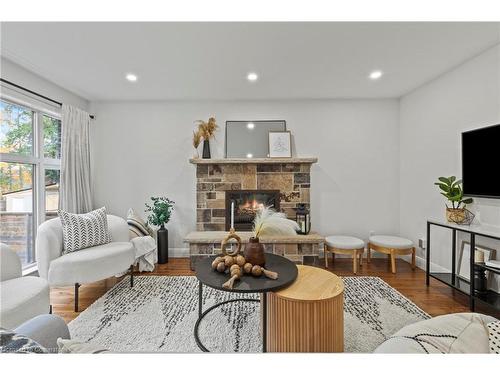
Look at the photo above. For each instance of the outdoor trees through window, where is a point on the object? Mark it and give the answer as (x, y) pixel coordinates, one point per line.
(30, 149)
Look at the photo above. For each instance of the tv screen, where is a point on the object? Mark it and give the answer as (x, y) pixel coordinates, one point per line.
(481, 162)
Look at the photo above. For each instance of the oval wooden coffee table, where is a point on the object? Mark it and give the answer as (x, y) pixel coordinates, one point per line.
(308, 316)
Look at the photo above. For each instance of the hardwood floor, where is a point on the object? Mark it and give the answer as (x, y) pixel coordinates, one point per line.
(437, 299)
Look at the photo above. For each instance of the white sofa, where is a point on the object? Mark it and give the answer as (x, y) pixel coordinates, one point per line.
(86, 265)
(21, 298)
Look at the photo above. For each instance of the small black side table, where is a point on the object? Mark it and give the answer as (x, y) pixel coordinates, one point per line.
(287, 271)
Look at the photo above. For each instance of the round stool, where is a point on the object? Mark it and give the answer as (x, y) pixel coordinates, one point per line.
(345, 245)
(307, 316)
(392, 246)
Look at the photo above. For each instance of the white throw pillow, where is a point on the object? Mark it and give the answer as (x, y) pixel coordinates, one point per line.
(81, 231)
(136, 226)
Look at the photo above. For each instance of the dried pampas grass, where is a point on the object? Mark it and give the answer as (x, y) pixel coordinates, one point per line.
(207, 129)
(268, 222)
(196, 138)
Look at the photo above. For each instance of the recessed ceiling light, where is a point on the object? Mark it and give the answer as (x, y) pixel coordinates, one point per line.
(376, 74)
(249, 156)
(131, 77)
(252, 77)
(250, 125)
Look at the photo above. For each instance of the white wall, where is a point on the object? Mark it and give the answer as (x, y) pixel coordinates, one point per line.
(431, 121)
(142, 149)
(22, 77)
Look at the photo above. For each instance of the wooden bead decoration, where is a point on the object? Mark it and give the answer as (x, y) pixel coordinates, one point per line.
(228, 260)
(232, 235)
(247, 268)
(234, 268)
(221, 267)
(256, 270)
(240, 260)
(270, 274)
(230, 283)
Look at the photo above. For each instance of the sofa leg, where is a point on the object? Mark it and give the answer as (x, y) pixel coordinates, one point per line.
(76, 296)
(132, 276)
(50, 309)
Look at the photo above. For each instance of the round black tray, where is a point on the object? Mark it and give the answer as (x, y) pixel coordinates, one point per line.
(286, 269)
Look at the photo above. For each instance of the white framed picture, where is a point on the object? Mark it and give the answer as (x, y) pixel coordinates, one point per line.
(280, 145)
(463, 267)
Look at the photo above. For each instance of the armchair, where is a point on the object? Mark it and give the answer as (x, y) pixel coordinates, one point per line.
(21, 298)
(86, 265)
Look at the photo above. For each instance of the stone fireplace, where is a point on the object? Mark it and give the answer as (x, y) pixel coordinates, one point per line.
(246, 204)
(282, 183)
(216, 180)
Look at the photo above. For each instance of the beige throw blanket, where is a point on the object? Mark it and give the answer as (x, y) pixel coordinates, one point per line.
(146, 254)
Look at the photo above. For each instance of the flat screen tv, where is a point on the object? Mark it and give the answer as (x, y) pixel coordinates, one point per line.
(481, 162)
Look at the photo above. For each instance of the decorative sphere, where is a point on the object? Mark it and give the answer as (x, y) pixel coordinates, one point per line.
(221, 267)
(240, 260)
(234, 268)
(247, 268)
(228, 260)
(215, 263)
(256, 270)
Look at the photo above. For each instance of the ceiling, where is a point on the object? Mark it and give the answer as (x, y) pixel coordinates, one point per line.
(211, 60)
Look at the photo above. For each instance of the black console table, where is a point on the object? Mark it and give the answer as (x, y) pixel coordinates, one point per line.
(491, 298)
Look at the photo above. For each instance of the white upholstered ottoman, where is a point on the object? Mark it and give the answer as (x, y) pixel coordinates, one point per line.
(345, 245)
(392, 246)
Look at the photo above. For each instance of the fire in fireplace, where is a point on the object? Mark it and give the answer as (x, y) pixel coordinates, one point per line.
(246, 203)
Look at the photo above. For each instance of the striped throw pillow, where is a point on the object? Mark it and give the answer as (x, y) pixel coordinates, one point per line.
(81, 231)
(136, 226)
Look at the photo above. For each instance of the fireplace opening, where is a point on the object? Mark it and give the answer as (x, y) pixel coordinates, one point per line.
(246, 204)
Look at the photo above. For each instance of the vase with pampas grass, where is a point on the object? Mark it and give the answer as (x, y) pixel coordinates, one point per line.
(267, 222)
(207, 131)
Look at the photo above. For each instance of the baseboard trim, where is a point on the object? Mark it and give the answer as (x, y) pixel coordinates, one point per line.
(183, 252)
(420, 263)
(178, 252)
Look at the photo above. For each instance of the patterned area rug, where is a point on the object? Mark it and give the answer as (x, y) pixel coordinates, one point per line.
(159, 313)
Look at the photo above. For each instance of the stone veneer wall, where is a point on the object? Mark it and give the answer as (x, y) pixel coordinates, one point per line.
(292, 180)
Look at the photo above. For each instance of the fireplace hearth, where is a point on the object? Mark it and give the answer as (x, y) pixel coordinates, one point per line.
(246, 204)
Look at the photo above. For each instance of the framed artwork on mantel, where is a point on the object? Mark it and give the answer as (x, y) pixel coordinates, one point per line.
(280, 144)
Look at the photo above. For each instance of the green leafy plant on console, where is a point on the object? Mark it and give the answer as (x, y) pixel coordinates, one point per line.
(451, 189)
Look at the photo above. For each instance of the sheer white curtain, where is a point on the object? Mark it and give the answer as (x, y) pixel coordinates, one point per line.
(75, 190)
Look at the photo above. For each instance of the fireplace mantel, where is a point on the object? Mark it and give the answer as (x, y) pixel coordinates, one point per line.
(298, 160)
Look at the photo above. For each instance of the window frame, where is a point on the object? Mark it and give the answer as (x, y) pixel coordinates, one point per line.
(39, 164)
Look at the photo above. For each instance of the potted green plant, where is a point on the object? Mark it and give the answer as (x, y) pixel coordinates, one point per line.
(160, 211)
(451, 188)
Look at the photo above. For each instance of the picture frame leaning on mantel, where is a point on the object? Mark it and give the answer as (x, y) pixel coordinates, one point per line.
(280, 144)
